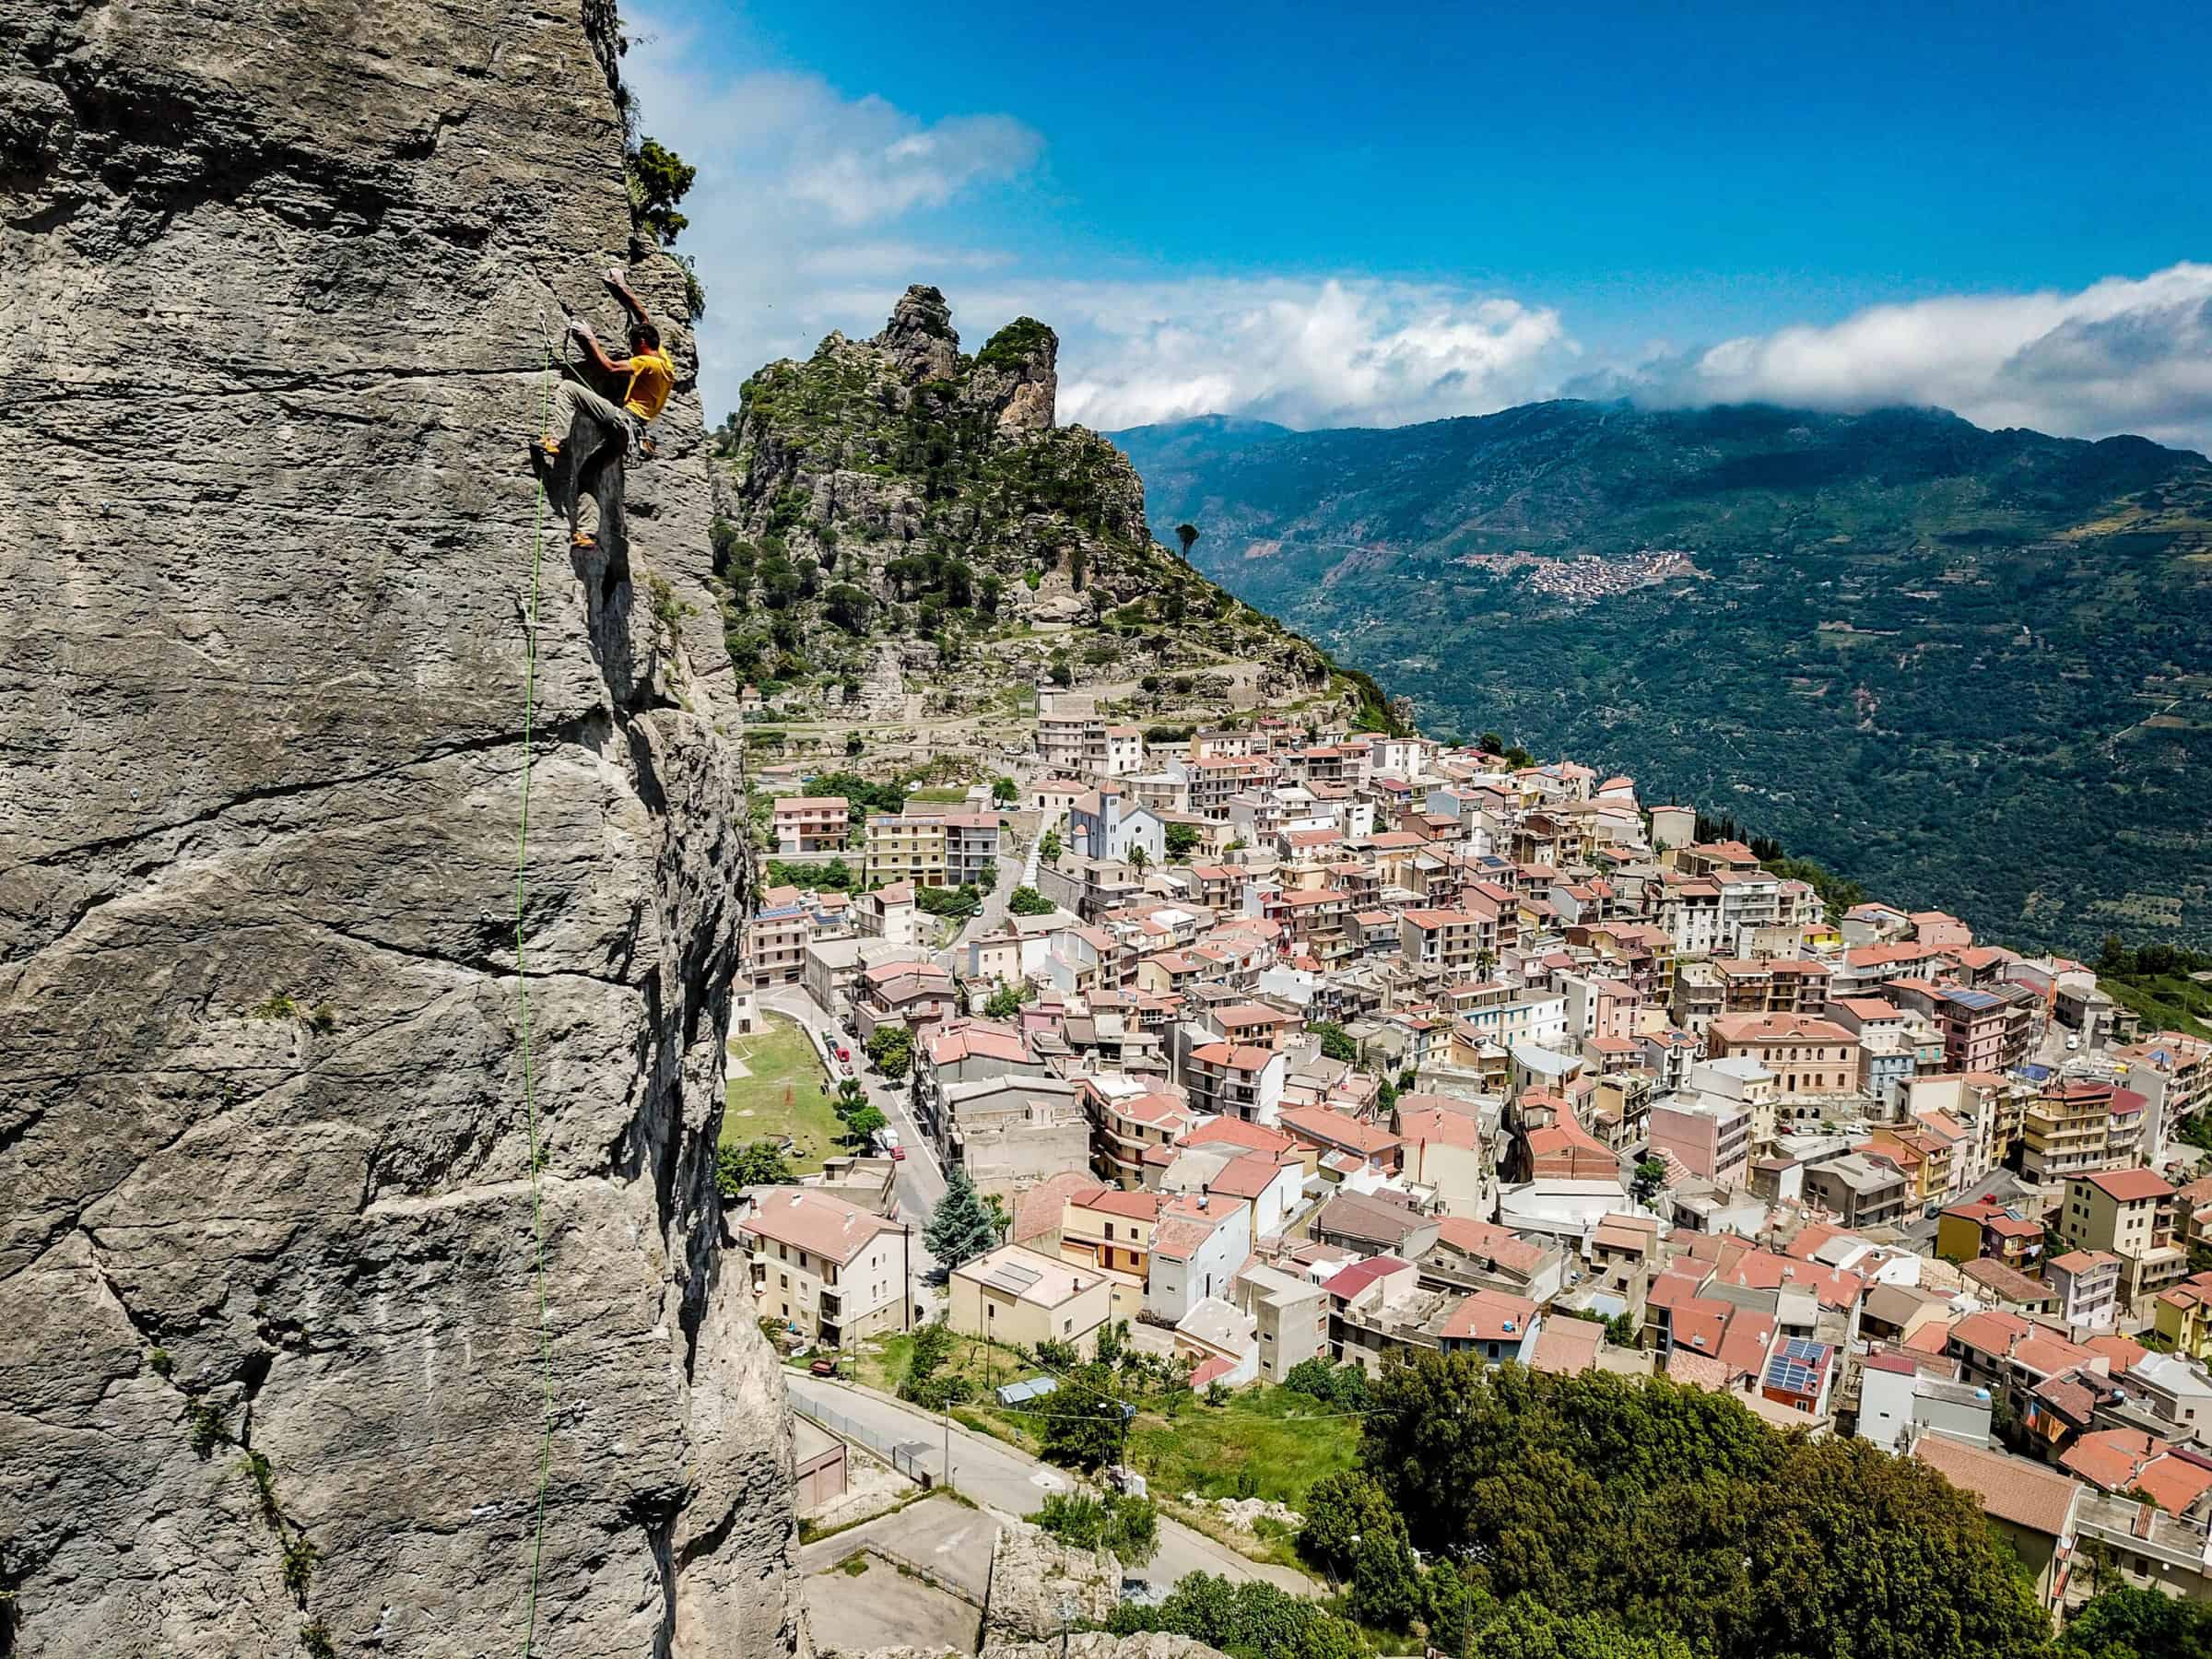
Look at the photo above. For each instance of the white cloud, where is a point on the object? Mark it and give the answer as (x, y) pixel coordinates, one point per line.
(873, 168)
(802, 212)
(1325, 352)
(813, 211)
(2123, 355)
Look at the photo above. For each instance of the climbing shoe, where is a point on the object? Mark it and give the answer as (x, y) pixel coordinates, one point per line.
(583, 542)
(547, 447)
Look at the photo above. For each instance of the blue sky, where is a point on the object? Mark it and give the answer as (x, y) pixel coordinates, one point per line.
(1325, 216)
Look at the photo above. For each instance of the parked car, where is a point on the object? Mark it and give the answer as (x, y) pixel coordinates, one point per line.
(844, 1054)
(824, 1367)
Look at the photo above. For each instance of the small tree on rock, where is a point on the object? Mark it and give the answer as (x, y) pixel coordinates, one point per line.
(961, 1227)
(1187, 534)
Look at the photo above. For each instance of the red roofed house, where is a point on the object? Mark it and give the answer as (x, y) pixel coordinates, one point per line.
(1444, 1149)
(1238, 1080)
(2126, 1460)
(833, 1270)
(1492, 1325)
(2134, 1214)
(2033, 1507)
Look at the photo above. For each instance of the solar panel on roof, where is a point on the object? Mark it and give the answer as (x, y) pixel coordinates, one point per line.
(1012, 1275)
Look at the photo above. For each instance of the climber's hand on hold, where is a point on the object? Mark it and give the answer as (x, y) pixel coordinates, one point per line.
(581, 330)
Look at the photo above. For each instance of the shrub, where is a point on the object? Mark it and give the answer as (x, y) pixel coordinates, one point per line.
(1127, 1526)
(204, 1427)
(300, 1557)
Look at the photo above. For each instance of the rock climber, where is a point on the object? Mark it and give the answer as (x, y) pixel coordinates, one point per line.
(594, 431)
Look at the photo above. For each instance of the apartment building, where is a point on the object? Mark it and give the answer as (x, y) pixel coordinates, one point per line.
(1239, 1080)
(776, 939)
(1982, 1227)
(833, 1271)
(1213, 781)
(2086, 1284)
(1710, 1136)
(1859, 1189)
(805, 826)
(1290, 1317)
(930, 849)
(898, 848)
(1132, 1128)
(2068, 1130)
(1447, 942)
(1769, 985)
(2133, 1215)
(1112, 1230)
(1808, 1057)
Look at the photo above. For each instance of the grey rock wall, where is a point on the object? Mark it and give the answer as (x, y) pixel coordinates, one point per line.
(273, 278)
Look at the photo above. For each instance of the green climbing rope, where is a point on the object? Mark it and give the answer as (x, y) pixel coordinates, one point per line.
(522, 991)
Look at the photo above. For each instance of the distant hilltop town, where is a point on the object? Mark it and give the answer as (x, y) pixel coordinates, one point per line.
(1296, 1042)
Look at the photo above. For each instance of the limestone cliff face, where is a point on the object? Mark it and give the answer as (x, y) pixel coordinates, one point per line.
(269, 1318)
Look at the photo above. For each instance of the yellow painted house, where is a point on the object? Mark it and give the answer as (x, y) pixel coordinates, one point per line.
(2183, 1316)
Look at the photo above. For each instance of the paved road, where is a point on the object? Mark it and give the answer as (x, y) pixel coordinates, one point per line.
(992, 916)
(1001, 1477)
(920, 1181)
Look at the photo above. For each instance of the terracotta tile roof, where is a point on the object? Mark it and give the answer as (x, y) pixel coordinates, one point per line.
(1489, 1242)
(1236, 1132)
(1039, 1210)
(2124, 1460)
(1421, 1126)
(2009, 1489)
(2127, 1186)
(1249, 1174)
(803, 1218)
(1565, 1345)
(1113, 1201)
(1348, 1282)
(1489, 1316)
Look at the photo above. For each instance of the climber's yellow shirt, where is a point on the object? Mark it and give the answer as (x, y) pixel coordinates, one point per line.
(651, 378)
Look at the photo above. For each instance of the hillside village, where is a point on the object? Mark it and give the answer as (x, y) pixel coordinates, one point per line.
(1127, 982)
(1290, 1045)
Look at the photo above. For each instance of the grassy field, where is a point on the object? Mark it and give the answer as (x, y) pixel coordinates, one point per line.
(1273, 1442)
(782, 1096)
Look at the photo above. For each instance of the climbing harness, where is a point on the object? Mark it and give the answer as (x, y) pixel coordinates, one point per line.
(522, 990)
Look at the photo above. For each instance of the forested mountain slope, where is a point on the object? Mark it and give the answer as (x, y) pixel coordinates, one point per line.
(1969, 668)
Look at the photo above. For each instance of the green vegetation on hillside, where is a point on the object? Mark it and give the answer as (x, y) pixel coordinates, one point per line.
(1908, 643)
(898, 491)
(1265, 1442)
(1673, 1518)
(2159, 984)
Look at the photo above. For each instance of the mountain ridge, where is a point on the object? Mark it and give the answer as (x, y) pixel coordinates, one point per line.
(1822, 624)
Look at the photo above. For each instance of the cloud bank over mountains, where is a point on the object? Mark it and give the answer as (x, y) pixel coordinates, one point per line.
(2124, 354)
(813, 210)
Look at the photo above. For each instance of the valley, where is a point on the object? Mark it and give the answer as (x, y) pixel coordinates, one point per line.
(1909, 640)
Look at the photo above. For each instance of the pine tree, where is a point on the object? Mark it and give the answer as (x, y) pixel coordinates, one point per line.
(961, 1227)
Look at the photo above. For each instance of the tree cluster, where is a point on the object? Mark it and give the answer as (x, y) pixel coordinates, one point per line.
(756, 1163)
(891, 1047)
(1670, 1516)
